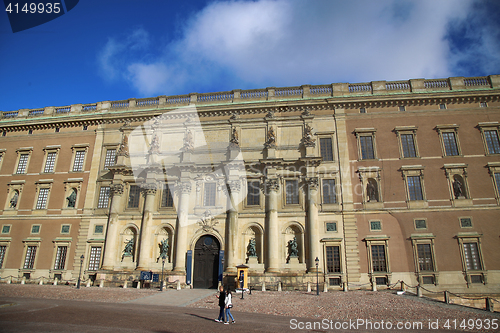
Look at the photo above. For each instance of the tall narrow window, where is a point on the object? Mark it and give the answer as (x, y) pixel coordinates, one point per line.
(41, 202)
(367, 151)
(425, 257)
(95, 258)
(292, 192)
(166, 198)
(325, 146)
(134, 196)
(492, 141)
(408, 145)
(3, 249)
(415, 188)
(29, 260)
(471, 254)
(23, 162)
(209, 195)
(378, 258)
(329, 193)
(450, 143)
(497, 181)
(333, 259)
(103, 200)
(253, 193)
(79, 158)
(50, 162)
(110, 158)
(60, 257)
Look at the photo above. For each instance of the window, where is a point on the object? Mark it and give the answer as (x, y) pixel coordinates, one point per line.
(333, 259)
(402, 108)
(29, 259)
(95, 258)
(375, 226)
(65, 229)
(414, 188)
(103, 200)
(378, 258)
(60, 257)
(23, 163)
(483, 104)
(329, 191)
(408, 145)
(98, 229)
(367, 151)
(465, 222)
(471, 256)
(472, 259)
(110, 158)
(5, 229)
(413, 176)
(3, 250)
(292, 192)
(209, 195)
(420, 224)
(253, 193)
(166, 197)
(43, 194)
(50, 162)
(35, 229)
(134, 196)
(325, 146)
(450, 144)
(331, 226)
(491, 137)
(362, 110)
(442, 106)
(425, 257)
(79, 159)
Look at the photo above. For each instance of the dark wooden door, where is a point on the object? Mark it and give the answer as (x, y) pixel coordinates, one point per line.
(206, 262)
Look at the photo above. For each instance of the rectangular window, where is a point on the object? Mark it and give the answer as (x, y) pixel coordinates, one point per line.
(103, 197)
(420, 224)
(5, 229)
(472, 257)
(329, 192)
(43, 194)
(425, 257)
(497, 181)
(209, 197)
(23, 162)
(450, 144)
(325, 147)
(35, 229)
(253, 193)
(466, 222)
(60, 257)
(166, 198)
(29, 260)
(331, 226)
(50, 162)
(378, 258)
(79, 158)
(375, 225)
(292, 192)
(333, 259)
(134, 196)
(367, 152)
(3, 249)
(95, 258)
(415, 188)
(98, 229)
(492, 141)
(65, 229)
(408, 145)
(110, 158)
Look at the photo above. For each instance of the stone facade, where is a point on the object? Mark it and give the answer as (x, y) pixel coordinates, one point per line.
(358, 184)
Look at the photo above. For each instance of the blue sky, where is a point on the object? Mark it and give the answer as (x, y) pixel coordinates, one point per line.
(119, 49)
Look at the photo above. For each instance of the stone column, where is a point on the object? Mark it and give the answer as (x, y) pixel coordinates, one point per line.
(272, 240)
(232, 229)
(312, 226)
(181, 228)
(146, 247)
(111, 245)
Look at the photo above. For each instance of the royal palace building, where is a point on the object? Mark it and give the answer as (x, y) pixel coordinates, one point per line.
(360, 184)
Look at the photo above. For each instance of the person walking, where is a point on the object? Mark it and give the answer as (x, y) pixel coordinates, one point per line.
(222, 304)
(229, 305)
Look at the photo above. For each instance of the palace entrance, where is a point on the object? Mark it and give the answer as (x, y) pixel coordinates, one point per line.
(206, 262)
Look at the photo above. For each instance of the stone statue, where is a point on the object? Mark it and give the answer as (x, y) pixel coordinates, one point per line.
(13, 201)
(123, 149)
(271, 138)
(188, 141)
(72, 199)
(308, 139)
(164, 248)
(293, 250)
(251, 248)
(129, 248)
(371, 192)
(457, 189)
(235, 142)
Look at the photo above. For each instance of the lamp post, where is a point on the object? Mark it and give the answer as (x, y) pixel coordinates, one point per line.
(222, 272)
(162, 266)
(317, 276)
(80, 275)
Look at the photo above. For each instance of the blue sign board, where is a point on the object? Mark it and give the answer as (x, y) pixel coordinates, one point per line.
(189, 260)
(145, 275)
(221, 264)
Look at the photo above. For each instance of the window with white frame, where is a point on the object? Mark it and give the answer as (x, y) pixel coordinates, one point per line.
(472, 258)
(29, 259)
(378, 259)
(95, 258)
(209, 194)
(110, 158)
(50, 162)
(450, 144)
(253, 193)
(329, 191)
(414, 188)
(6, 229)
(22, 163)
(292, 192)
(494, 170)
(491, 138)
(43, 195)
(425, 263)
(326, 151)
(413, 176)
(3, 251)
(407, 141)
(103, 200)
(332, 259)
(60, 262)
(134, 196)
(79, 160)
(366, 143)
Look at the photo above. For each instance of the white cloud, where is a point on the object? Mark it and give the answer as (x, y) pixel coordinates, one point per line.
(292, 42)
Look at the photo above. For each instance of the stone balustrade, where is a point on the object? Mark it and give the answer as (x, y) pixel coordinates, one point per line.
(271, 93)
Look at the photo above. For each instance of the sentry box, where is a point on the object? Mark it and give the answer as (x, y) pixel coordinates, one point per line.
(242, 277)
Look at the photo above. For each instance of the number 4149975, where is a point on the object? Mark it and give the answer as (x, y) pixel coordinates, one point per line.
(32, 8)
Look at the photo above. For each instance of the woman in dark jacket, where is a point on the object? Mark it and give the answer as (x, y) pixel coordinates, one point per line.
(222, 304)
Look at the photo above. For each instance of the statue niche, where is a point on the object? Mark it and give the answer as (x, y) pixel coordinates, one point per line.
(14, 199)
(458, 187)
(371, 190)
(72, 199)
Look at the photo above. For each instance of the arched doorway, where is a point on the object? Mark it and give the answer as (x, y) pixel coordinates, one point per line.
(206, 262)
